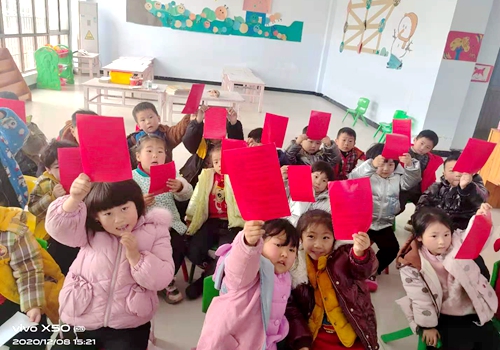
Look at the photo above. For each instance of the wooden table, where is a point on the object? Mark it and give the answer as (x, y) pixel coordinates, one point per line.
(252, 85)
(159, 95)
(91, 59)
(233, 70)
(141, 66)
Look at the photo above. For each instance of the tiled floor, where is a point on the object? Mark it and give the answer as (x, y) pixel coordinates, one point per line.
(177, 327)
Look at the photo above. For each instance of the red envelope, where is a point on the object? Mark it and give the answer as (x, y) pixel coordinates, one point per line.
(474, 156)
(274, 129)
(352, 207)
(402, 127)
(476, 238)
(194, 99)
(260, 195)
(103, 148)
(18, 107)
(70, 165)
(395, 146)
(228, 144)
(319, 122)
(159, 176)
(215, 123)
(300, 183)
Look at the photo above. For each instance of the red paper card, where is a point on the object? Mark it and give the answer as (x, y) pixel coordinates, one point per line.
(476, 238)
(319, 122)
(70, 165)
(395, 146)
(274, 129)
(103, 148)
(300, 183)
(215, 123)
(402, 127)
(194, 99)
(474, 156)
(159, 176)
(18, 107)
(228, 144)
(352, 207)
(260, 195)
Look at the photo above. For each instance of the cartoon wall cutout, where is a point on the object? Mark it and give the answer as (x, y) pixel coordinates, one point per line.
(462, 46)
(402, 40)
(482, 73)
(262, 6)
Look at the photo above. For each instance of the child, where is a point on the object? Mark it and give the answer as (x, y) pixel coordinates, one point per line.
(256, 285)
(349, 153)
(70, 132)
(213, 218)
(255, 139)
(304, 151)
(151, 150)
(330, 306)
(423, 144)
(125, 258)
(447, 298)
(321, 173)
(387, 178)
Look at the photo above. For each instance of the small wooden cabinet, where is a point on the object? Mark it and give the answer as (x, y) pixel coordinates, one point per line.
(491, 170)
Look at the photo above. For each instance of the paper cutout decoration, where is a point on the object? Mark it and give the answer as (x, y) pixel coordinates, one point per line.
(215, 123)
(159, 174)
(18, 107)
(274, 129)
(476, 238)
(70, 165)
(462, 46)
(300, 183)
(194, 99)
(352, 207)
(402, 127)
(395, 146)
(319, 122)
(260, 6)
(402, 43)
(103, 148)
(228, 144)
(260, 196)
(474, 156)
(482, 73)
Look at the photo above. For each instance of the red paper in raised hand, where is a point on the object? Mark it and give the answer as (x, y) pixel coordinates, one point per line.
(215, 123)
(274, 129)
(228, 144)
(395, 146)
(476, 238)
(159, 174)
(402, 127)
(70, 165)
(352, 207)
(18, 107)
(260, 196)
(300, 183)
(474, 156)
(103, 148)
(319, 122)
(194, 99)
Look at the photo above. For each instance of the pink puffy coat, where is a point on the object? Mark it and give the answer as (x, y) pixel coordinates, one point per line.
(101, 288)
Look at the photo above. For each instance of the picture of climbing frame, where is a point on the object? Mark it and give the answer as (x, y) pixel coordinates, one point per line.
(258, 21)
(462, 46)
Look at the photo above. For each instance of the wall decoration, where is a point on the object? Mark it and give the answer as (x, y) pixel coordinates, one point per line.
(482, 73)
(402, 40)
(462, 46)
(219, 20)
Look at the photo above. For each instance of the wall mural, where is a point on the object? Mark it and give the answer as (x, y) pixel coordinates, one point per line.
(258, 21)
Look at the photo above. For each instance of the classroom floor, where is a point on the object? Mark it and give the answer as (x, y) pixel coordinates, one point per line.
(177, 327)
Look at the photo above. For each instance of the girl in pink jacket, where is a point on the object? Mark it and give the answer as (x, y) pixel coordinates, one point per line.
(250, 312)
(125, 258)
(447, 298)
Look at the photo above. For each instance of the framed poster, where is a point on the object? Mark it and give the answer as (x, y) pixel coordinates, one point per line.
(482, 73)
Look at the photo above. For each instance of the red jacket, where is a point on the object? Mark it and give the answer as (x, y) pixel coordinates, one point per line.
(341, 169)
(429, 174)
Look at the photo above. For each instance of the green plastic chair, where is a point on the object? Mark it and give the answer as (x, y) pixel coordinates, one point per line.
(359, 112)
(386, 128)
(404, 333)
(209, 292)
(493, 282)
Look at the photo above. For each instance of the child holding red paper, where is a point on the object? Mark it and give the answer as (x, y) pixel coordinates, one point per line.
(330, 306)
(252, 275)
(304, 151)
(150, 151)
(350, 155)
(447, 298)
(124, 260)
(70, 132)
(387, 177)
(254, 138)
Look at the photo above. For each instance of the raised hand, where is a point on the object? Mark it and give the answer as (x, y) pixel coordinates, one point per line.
(361, 243)
(80, 187)
(58, 191)
(253, 232)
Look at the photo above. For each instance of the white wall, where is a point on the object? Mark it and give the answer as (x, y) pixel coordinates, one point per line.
(200, 56)
(349, 75)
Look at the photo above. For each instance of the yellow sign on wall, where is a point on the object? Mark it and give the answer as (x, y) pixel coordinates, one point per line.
(89, 36)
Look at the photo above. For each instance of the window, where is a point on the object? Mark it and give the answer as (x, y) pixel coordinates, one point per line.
(27, 25)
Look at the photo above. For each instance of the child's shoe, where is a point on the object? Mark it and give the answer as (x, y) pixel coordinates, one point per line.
(372, 284)
(172, 295)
